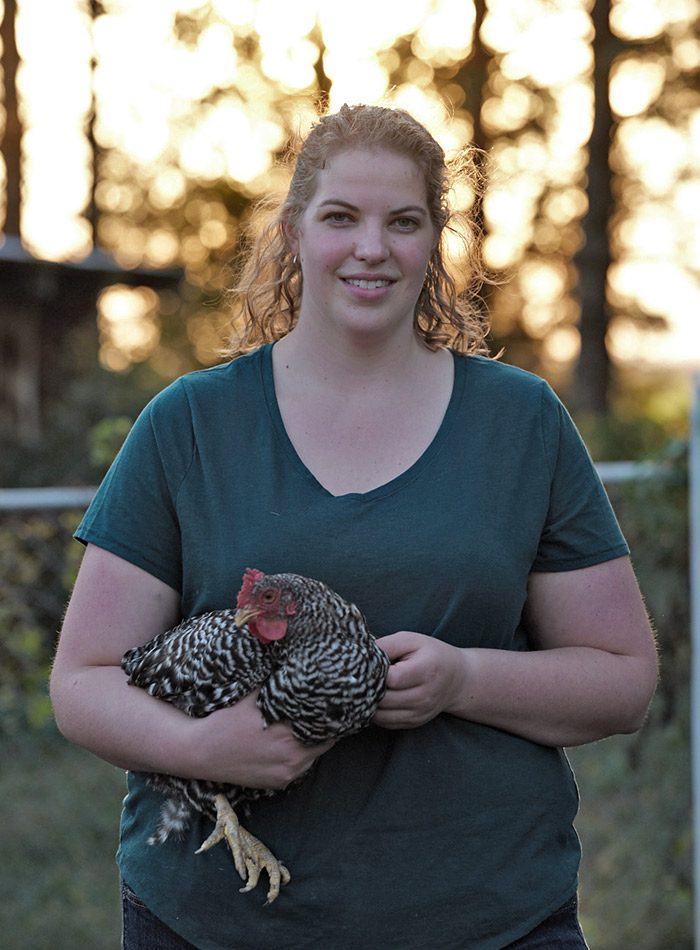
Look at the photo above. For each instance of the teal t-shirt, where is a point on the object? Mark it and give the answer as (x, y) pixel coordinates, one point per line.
(452, 835)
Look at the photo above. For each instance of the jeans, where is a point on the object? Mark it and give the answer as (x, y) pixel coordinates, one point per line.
(144, 931)
(561, 931)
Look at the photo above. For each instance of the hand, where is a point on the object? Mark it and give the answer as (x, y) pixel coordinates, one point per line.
(425, 678)
(235, 745)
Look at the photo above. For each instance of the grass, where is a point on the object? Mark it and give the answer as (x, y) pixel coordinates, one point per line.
(60, 807)
(635, 828)
(58, 823)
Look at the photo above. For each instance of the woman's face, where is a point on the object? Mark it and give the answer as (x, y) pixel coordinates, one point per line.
(364, 243)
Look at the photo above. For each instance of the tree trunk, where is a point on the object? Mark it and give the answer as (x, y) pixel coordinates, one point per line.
(473, 74)
(472, 77)
(11, 143)
(592, 376)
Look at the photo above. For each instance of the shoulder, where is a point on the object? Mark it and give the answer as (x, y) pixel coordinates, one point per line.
(495, 371)
(207, 386)
(242, 370)
(520, 405)
(502, 384)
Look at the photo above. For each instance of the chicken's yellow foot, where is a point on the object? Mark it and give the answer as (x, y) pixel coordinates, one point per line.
(250, 855)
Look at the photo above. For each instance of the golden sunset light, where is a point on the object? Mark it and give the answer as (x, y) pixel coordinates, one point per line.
(127, 324)
(176, 108)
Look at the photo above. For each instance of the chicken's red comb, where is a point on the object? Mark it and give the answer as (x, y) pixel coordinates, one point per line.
(250, 577)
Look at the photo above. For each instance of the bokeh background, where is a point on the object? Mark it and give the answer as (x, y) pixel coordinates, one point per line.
(135, 139)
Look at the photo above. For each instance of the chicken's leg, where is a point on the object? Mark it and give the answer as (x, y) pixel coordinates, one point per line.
(250, 855)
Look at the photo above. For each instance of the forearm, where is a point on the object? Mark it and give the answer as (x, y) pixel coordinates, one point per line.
(97, 709)
(564, 696)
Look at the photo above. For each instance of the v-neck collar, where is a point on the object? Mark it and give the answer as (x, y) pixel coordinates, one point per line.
(394, 484)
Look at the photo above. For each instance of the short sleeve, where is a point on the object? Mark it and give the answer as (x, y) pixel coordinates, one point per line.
(581, 528)
(134, 513)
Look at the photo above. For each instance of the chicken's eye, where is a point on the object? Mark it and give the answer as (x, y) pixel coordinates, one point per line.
(268, 596)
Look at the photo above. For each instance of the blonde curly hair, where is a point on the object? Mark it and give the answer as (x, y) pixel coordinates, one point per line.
(267, 295)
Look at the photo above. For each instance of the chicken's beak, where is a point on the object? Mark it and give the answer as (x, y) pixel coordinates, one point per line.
(244, 615)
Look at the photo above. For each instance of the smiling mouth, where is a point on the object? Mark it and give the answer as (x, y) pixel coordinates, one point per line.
(367, 284)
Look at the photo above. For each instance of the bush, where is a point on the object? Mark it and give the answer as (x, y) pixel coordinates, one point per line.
(636, 876)
(38, 563)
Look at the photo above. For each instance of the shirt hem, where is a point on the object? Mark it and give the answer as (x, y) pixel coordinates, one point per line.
(574, 564)
(130, 555)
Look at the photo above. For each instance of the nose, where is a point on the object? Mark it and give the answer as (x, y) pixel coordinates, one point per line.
(371, 244)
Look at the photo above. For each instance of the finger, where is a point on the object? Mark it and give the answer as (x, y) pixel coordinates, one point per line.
(394, 699)
(404, 675)
(402, 701)
(388, 718)
(397, 645)
(397, 719)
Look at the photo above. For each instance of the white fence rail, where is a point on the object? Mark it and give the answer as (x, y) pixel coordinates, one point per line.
(41, 499)
(44, 499)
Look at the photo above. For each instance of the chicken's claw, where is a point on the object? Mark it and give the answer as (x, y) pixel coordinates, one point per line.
(250, 855)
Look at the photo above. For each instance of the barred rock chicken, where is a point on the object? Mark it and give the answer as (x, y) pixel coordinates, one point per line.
(315, 662)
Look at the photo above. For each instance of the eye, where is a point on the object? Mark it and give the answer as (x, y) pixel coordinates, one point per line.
(338, 217)
(268, 596)
(406, 224)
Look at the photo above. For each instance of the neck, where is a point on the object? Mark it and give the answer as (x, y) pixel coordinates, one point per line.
(349, 362)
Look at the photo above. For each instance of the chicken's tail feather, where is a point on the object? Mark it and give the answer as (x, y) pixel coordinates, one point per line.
(174, 819)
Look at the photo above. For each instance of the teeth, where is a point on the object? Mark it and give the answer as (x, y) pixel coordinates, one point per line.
(368, 284)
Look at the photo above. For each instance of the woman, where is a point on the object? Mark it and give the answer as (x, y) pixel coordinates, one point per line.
(448, 495)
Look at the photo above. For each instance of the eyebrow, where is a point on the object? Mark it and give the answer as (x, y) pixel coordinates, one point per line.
(351, 207)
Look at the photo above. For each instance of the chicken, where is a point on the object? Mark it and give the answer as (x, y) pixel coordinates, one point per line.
(315, 663)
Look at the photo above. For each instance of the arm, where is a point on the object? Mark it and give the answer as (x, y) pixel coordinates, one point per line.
(591, 673)
(116, 605)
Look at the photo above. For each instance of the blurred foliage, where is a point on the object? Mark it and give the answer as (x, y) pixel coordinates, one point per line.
(614, 438)
(636, 791)
(106, 439)
(648, 419)
(475, 71)
(38, 564)
(67, 453)
(654, 516)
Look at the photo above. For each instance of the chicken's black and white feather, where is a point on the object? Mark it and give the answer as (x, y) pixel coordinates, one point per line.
(325, 675)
